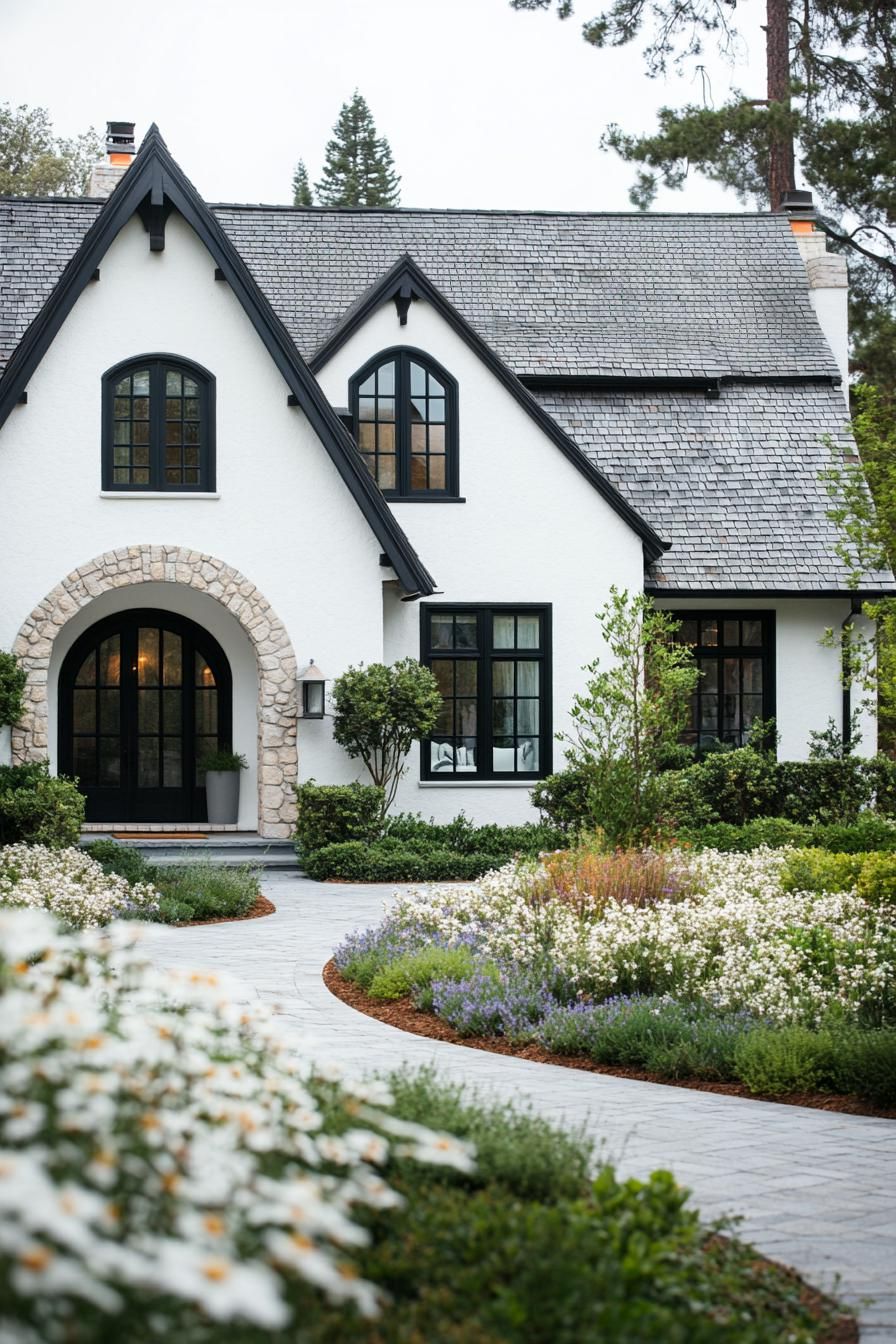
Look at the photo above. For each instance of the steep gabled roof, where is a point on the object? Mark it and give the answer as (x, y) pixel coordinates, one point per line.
(405, 282)
(153, 185)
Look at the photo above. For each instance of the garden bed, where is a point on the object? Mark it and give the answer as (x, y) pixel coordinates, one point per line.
(403, 1014)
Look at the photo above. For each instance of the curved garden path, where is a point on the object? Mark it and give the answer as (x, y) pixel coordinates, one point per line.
(814, 1189)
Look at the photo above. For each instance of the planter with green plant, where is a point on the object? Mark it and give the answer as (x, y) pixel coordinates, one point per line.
(222, 785)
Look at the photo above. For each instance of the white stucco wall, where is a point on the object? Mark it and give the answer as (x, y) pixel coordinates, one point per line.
(808, 689)
(531, 530)
(283, 516)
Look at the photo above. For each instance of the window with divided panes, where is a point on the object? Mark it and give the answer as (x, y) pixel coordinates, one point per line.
(404, 409)
(734, 653)
(493, 668)
(158, 430)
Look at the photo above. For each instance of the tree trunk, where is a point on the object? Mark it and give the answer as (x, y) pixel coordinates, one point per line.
(781, 170)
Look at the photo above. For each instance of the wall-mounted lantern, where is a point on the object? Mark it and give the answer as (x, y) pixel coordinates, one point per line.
(313, 691)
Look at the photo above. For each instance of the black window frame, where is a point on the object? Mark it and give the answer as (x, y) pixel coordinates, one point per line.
(158, 364)
(403, 356)
(740, 651)
(484, 655)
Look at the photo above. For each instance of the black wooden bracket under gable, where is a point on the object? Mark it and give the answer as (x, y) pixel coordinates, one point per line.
(154, 210)
(403, 296)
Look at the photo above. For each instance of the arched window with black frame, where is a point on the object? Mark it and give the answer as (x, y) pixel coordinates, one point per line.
(158, 426)
(404, 410)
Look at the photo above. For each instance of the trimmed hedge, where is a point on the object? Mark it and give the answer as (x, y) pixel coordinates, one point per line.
(332, 813)
(737, 787)
(464, 837)
(870, 833)
(388, 861)
(37, 808)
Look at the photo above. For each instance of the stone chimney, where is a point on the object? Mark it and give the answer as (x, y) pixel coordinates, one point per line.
(106, 175)
(826, 272)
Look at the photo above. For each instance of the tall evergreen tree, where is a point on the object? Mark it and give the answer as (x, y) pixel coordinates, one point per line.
(301, 186)
(358, 169)
(830, 90)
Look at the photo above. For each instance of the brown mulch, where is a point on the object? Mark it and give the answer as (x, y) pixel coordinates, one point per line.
(401, 1013)
(261, 908)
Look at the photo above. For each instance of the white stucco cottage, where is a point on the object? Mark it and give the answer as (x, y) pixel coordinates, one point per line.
(236, 439)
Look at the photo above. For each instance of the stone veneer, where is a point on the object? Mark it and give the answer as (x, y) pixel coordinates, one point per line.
(277, 687)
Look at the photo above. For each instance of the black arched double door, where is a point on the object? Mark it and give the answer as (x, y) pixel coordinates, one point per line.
(143, 696)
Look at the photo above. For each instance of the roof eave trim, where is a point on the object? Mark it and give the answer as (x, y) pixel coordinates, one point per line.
(407, 272)
(154, 169)
(656, 590)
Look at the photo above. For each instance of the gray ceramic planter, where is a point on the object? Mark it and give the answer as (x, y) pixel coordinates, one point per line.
(222, 793)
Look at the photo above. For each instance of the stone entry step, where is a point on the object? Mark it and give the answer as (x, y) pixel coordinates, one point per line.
(230, 849)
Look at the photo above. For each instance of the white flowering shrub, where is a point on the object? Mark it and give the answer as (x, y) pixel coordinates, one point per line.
(170, 1161)
(71, 885)
(731, 936)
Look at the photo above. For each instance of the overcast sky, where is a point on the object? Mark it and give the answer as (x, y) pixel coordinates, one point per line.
(483, 106)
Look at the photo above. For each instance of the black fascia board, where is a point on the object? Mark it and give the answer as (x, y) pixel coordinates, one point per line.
(746, 592)
(154, 171)
(407, 272)
(614, 382)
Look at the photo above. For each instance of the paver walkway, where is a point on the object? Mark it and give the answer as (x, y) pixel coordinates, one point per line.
(815, 1189)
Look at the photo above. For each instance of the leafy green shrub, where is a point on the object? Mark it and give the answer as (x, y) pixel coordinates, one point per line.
(388, 861)
(190, 891)
(877, 879)
(515, 1148)
(465, 837)
(864, 1062)
(197, 891)
(121, 860)
(37, 808)
(12, 688)
(414, 972)
(733, 786)
(868, 833)
(817, 870)
(564, 798)
(722, 835)
(332, 813)
(778, 1060)
(822, 790)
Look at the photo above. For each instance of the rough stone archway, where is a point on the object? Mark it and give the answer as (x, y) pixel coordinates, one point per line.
(277, 688)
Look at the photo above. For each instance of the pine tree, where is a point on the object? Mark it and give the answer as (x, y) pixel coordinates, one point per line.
(358, 168)
(301, 187)
(830, 88)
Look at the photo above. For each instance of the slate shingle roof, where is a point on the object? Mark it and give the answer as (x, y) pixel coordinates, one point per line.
(732, 483)
(661, 295)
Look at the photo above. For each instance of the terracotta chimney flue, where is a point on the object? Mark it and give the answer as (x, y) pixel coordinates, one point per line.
(120, 150)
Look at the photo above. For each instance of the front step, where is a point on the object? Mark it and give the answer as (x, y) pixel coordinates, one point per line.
(226, 850)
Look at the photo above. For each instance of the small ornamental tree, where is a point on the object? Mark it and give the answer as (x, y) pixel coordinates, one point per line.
(12, 688)
(379, 712)
(630, 715)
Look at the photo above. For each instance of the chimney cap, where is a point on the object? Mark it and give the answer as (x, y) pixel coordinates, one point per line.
(798, 204)
(120, 137)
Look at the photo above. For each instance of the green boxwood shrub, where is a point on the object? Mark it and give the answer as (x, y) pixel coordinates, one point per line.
(388, 861)
(869, 833)
(778, 1060)
(37, 808)
(564, 798)
(330, 814)
(464, 837)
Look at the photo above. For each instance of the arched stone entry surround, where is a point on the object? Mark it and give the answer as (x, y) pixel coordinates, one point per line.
(131, 565)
